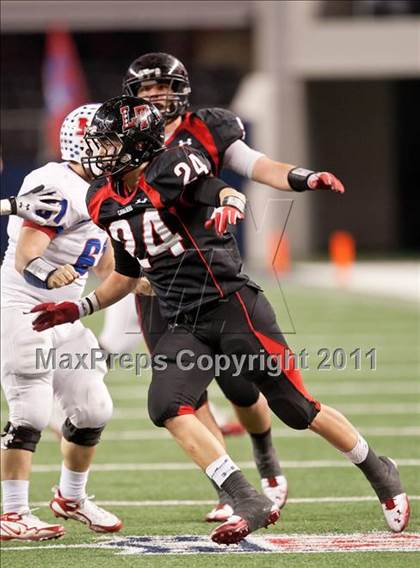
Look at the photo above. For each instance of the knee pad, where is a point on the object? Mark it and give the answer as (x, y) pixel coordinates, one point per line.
(239, 391)
(19, 438)
(159, 414)
(288, 404)
(81, 436)
(87, 415)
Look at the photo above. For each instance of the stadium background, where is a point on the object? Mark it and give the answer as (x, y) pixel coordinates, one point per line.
(326, 84)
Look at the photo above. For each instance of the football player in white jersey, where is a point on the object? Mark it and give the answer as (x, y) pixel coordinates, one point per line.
(41, 258)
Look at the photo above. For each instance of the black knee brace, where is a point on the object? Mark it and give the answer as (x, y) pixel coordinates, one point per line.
(288, 404)
(81, 436)
(19, 438)
(239, 391)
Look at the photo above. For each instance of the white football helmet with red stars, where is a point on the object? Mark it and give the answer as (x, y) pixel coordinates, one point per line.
(72, 142)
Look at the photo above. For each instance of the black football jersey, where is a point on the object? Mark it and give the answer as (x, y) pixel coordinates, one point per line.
(209, 130)
(158, 230)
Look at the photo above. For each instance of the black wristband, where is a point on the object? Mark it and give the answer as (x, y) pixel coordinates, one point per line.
(13, 205)
(298, 178)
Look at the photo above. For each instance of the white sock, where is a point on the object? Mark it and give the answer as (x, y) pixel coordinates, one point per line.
(360, 451)
(15, 495)
(73, 483)
(221, 469)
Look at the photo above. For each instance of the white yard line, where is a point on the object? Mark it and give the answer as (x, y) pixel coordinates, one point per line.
(362, 409)
(185, 466)
(162, 434)
(336, 388)
(200, 502)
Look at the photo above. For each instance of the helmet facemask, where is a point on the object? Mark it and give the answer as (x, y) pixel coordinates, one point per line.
(105, 154)
(115, 154)
(171, 104)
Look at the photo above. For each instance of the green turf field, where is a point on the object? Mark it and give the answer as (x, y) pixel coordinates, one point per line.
(384, 403)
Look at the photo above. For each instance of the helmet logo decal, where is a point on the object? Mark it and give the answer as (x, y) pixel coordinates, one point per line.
(82, 124)
(141, 117)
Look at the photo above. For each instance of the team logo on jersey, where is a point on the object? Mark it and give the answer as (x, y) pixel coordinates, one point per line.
(141, 117)
(187, 142)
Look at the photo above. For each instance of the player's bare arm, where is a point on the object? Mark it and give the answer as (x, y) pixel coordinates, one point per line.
(106, 264)
(113, 289)
(31, 246)
(292, 178)
(246, 161)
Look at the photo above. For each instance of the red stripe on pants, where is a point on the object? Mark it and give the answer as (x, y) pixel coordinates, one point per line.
(274, 347)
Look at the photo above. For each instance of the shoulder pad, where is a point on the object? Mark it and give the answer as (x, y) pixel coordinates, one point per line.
(225, 126)
(171, 171)
(164, 164)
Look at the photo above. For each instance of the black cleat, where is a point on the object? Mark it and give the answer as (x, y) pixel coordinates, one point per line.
(250, 515)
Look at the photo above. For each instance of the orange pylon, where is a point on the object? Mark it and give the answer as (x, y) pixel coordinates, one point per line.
(342, 248)
(279, 252)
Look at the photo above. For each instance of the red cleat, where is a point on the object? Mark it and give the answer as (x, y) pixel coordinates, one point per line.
(232, 429)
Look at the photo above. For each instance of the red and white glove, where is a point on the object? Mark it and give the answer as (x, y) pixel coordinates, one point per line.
(325, 180)
(230, 212)
(222, 217)
(54, 314)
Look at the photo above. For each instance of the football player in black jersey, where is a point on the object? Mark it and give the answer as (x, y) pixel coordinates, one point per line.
(217, 133)
(154, 203)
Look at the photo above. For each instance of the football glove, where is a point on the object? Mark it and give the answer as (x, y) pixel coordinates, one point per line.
(33, 205)
(54, 314)
(325, 180)
(230, 212)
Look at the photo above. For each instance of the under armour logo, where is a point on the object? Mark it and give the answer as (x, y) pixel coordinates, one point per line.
(188, 142)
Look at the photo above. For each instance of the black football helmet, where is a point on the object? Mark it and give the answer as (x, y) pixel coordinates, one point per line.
(160, 68)
(125, 132)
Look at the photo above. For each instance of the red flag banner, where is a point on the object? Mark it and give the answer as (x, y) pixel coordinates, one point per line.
(64, 85)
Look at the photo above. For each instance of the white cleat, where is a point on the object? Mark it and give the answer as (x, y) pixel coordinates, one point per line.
(396, 506)
(397, 512)
(25, 526)
(275, 488)
(85, 511)
(219, 514)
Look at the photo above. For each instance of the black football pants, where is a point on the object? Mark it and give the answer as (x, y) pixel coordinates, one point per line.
(242, 329)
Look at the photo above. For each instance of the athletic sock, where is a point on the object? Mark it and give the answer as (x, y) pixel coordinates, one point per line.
(237, 486)
(73, 483)
(360, 451)
(15, 495)
(265, 455)
(224, 498)
(379, 471)
(226, 475)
